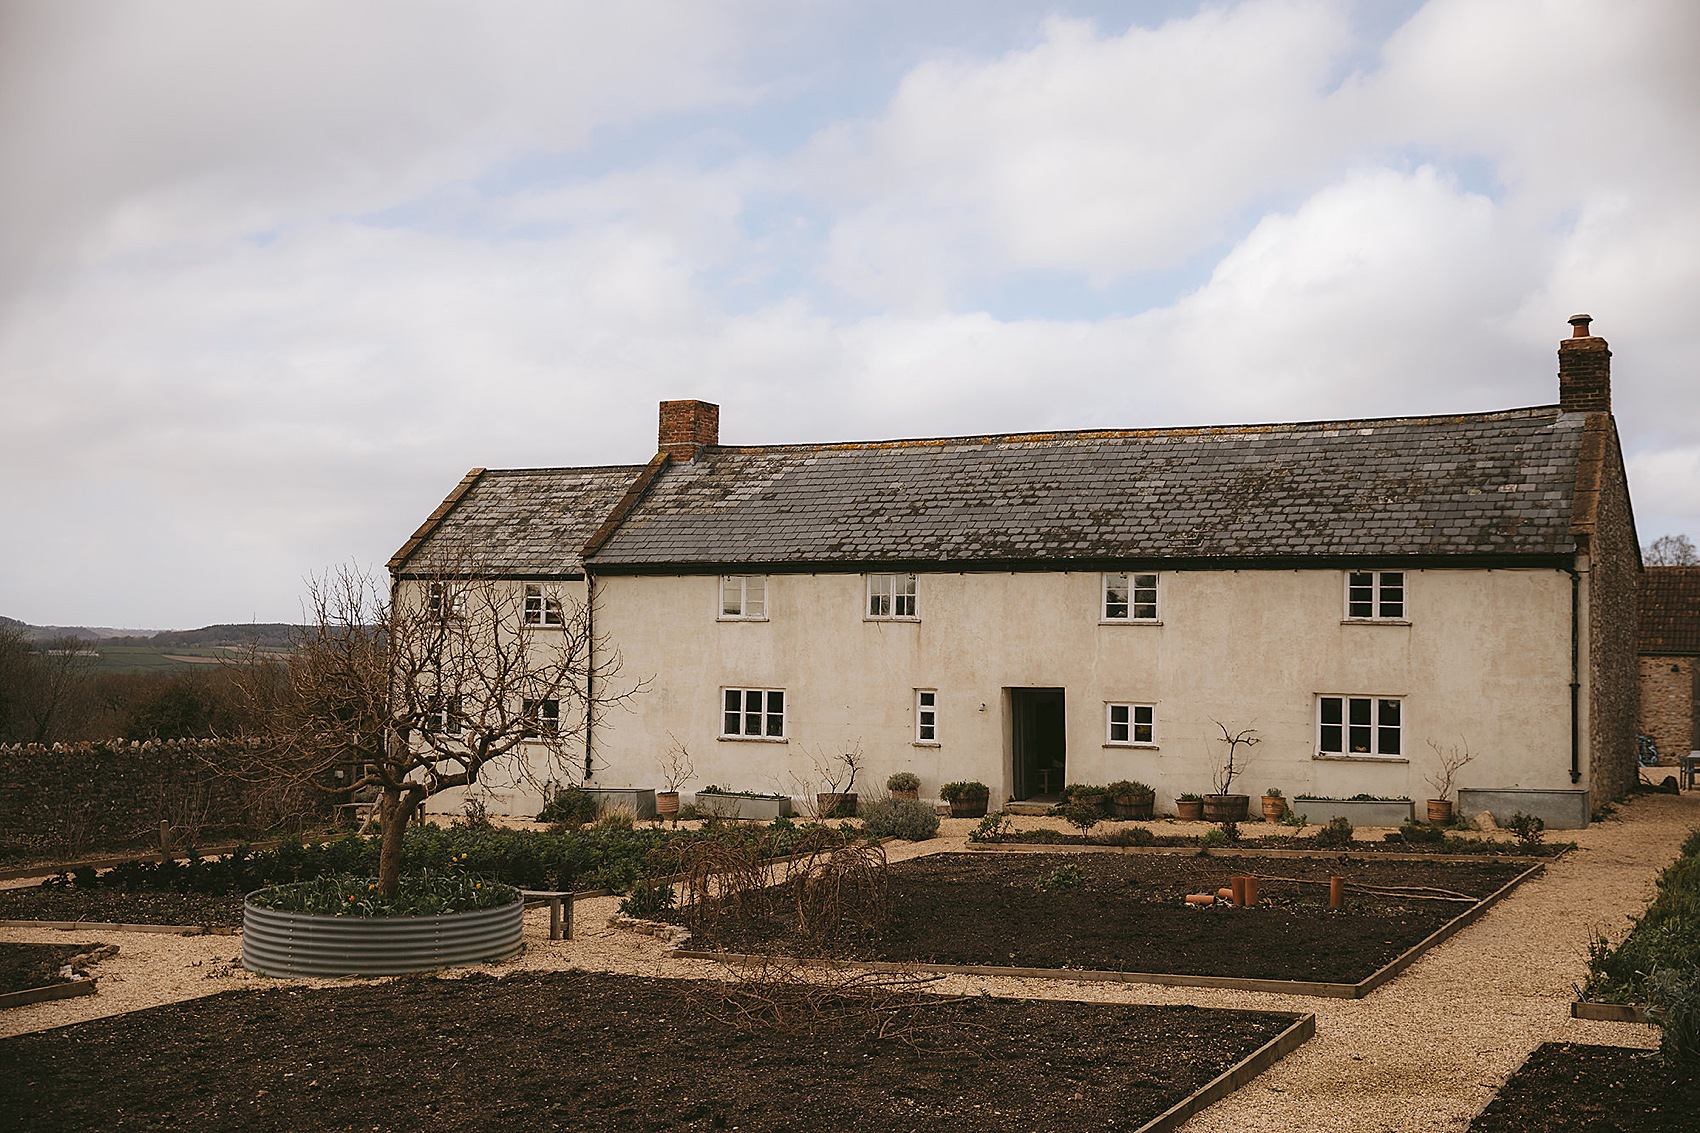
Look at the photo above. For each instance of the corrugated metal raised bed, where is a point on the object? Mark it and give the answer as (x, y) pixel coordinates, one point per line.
(311, 944)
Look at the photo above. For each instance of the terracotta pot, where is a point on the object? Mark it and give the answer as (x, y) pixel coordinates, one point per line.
(1440, 811)
(1132, 806)
(1189, 808)
(969, 806)
(1274, 808)
(1226, 808)
(830, 805)
(666, 804)
(915, 794)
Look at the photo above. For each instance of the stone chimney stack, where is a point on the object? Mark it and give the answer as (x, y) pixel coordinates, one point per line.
(688, 427)
(1584, 370)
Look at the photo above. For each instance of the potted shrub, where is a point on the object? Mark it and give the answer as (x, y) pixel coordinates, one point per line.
(1452, 760)
(838, 775)
(1189, 806)
(1085, 794)
(676, 768)
(967, 798)
(1131, 799)
(1223, 806)
(1274, 806)
(904, 785)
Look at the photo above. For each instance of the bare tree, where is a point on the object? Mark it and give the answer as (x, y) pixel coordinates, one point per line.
(1670, 550)
(427, 685)
(1233, 765)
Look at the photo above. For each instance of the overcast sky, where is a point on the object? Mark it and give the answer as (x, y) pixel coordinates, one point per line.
(273, 276)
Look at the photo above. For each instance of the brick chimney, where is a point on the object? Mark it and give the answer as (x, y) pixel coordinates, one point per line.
(688, 427)
(1584, 370)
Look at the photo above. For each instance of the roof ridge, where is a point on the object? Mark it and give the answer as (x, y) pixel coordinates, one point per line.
(1132, 433)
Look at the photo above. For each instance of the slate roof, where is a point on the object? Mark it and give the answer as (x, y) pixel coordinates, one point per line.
(1670, 610)
(1489, 485)
(525, 522)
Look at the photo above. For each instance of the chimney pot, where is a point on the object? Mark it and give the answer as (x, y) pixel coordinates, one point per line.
(688, 427)
(1584, 370)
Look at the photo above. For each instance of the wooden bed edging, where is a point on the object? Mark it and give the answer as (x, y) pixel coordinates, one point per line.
(1315, 988)
(1242, 852)
(108, 926)
(1302, 1029)
(1608, 1012)
(67, 990)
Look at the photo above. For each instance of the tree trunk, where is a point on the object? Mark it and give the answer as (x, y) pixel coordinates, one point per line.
(394, 813)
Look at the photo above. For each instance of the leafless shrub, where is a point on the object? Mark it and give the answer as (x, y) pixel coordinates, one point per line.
(1453, 759)
(842, 894)
(722, 878)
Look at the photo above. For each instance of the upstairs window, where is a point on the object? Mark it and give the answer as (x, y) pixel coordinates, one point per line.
(1375, 595)
(1130, 597)
(891, 596)
(1131, 724)
(443, 716)
(1359, 725)
(926, 716)
(542, 607)
(743, 597)
(443, 602)
(542, 717)
(753, 713)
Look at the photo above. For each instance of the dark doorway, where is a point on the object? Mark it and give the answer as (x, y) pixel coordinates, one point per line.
(1038, 742)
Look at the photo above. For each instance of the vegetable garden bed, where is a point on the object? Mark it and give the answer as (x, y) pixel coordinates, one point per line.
(596, 1051)
(1124, 919)
(1570, 1086)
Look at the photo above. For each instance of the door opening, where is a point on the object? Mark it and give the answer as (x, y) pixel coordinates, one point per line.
(1038, 742)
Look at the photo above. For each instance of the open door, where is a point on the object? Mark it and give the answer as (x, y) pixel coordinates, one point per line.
(1038, 743)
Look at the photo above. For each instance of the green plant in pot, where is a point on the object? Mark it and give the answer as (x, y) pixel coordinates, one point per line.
(1189, 806)
(1274, 805)
(904, 785)
(967, 798)
(1130, 798)
(1223, 805)
(1088, 795)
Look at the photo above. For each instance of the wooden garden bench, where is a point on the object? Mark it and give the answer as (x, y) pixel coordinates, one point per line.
(560, 910)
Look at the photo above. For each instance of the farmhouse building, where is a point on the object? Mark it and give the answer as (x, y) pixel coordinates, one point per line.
(1033, 609)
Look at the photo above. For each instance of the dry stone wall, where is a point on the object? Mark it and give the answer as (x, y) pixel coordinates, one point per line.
(1667, 705)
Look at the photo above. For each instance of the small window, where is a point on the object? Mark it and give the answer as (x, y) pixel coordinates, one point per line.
(1131, 724)
(1130, 597)
(1359, 725)
(542, 607)
(441, 602)
(891, 596)
(743, 597)
(443, 716)
(1375, 595)
(926, 716)
(542, 717)
(753, 713)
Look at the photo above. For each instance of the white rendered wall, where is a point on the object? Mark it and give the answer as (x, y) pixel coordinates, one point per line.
(1485, 661)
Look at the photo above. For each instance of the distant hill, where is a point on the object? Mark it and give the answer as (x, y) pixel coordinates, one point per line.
(269, 635)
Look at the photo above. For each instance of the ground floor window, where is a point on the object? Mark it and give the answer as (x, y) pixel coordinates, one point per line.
(1359, 725)
(542, 717)
(926, 716)
(753, 713)
(1131, 724)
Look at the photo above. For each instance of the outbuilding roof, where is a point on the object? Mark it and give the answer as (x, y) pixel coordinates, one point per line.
(1485, 486)
(1670, 610)
(516, 523)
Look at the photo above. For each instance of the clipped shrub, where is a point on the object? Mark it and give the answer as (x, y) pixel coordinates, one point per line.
(1337, 834)
(570, 807)
(909, 819)
(1422, 832)
(903, 781)
(963, 789)
(1083, 816)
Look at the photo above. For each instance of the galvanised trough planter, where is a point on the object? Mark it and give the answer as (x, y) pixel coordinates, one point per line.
(742, 806)
(313, 944)
(1359, 812)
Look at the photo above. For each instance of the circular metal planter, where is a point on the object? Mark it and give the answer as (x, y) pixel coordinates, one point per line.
(311, 944)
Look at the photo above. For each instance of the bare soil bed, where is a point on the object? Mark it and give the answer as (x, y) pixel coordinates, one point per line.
(1604, 1089)
(26, 966)
(1128, 915)
(119, 907)
(584, 1050)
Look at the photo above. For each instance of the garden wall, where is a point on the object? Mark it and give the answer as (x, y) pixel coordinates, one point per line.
(63, 800)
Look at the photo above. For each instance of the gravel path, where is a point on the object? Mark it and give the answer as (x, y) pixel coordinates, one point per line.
(1423, 1053)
